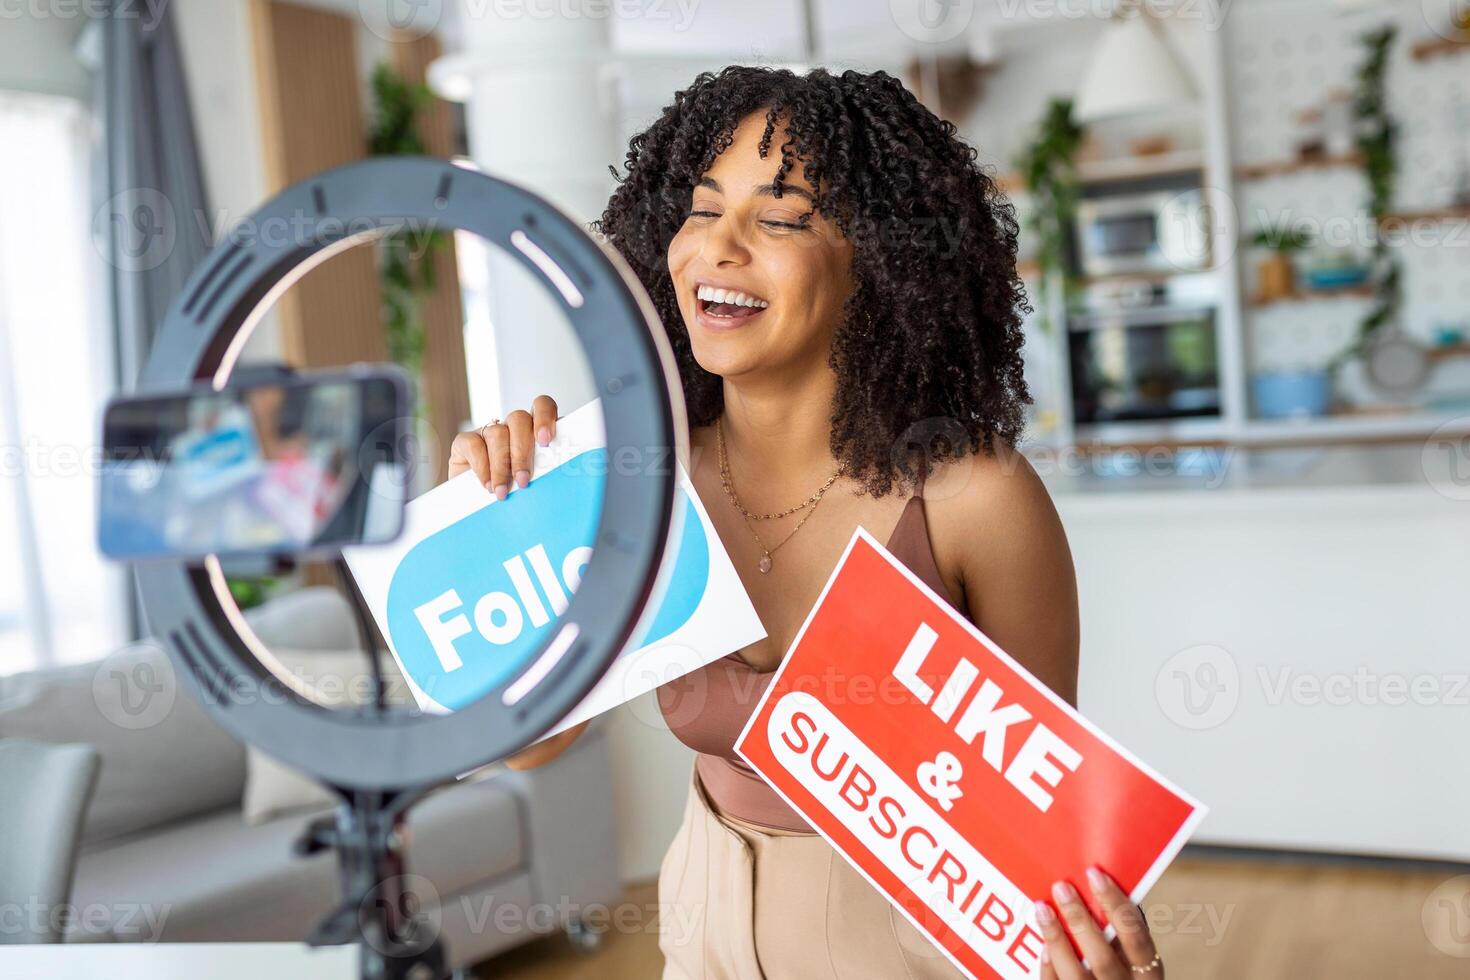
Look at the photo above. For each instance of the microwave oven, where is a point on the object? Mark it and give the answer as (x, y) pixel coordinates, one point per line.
(1156, 231)
(1148, 363)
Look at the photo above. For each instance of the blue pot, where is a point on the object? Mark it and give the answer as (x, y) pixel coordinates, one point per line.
(1292, 394)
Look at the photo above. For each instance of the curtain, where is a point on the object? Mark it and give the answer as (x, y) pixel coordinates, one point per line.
(59, 601)
(154, 195)
(151, 185)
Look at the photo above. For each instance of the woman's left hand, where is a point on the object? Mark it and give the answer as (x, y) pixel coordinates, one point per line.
(1131, 956)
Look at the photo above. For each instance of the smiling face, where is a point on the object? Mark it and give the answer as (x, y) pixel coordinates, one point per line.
(761, 280)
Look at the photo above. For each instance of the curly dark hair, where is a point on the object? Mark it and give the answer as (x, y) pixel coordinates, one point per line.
(931, 339)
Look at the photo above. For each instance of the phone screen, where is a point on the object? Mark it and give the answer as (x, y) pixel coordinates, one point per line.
(295, 465)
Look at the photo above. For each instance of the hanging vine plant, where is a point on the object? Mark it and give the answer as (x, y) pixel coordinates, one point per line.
(406, 258)
(1048, 168)
(1377, 139)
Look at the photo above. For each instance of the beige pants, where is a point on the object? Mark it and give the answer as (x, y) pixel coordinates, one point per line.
(741, 902)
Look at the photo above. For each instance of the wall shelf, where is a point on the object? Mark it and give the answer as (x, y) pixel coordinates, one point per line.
(1433, 214)
(1091, 172)
(1281, 168)
(1366, 428)
(1140, 167)
(1449, 352)
(1359, 291)
(1439, 47)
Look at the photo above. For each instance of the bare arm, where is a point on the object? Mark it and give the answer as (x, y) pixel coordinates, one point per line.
(996, 531)
(542, 752)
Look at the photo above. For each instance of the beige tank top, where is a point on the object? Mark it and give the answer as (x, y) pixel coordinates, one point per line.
(708, 708)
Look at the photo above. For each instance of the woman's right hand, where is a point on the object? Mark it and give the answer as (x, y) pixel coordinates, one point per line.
(501, 452)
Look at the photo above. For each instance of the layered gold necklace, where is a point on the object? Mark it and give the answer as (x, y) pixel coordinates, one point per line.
(809, 504)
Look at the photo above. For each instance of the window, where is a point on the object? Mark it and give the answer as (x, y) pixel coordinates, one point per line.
(59, 601)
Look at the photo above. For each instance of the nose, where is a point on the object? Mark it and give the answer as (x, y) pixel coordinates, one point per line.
(724, 244)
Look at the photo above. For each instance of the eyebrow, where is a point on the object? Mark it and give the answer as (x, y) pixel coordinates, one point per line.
(763, 190)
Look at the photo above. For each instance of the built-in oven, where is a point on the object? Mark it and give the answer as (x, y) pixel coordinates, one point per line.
(1152, 357)
(1158, 230)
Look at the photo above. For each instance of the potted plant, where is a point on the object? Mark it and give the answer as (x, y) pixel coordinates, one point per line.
(1048, 167)
(1276, 274)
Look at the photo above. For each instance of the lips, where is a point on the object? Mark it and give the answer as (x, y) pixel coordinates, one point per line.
(723, 308)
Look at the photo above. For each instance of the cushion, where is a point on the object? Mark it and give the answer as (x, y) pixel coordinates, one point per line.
(314, 618)
(215, 879)
(340, 677)
(162, 757)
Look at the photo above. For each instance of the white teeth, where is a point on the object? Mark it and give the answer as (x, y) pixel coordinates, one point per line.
(734, 296)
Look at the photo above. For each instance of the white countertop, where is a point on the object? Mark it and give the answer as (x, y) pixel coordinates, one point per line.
(178, 961)
(1438, 467)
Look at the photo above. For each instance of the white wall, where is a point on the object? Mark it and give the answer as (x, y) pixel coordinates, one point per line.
(1241, 592)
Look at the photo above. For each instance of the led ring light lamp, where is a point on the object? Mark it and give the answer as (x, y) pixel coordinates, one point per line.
(380, 763)
(201, 338)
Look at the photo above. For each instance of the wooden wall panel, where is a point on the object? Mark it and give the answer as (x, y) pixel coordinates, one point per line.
(313, 119)
(312, 113)
(446, 386)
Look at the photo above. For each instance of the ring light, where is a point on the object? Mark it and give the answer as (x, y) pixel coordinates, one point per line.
(203, 333)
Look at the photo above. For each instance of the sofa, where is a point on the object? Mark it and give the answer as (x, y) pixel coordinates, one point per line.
(167, 855)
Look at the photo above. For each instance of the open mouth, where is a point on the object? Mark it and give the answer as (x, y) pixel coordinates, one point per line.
(730, 304)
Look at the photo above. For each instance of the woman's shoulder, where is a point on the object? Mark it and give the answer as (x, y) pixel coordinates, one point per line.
(992, 508)
(986, 486)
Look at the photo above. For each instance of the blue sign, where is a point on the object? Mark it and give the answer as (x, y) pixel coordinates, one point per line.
(469, 604)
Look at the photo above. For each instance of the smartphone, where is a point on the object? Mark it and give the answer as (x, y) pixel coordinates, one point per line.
(297, 464)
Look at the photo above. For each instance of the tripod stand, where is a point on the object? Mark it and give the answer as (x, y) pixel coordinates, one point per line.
(393, 915)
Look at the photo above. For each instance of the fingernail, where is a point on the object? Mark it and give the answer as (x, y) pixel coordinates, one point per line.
(489, 486)
(1046, 954)
(1063, 892)
(523, 478)
(543, 436)
(1097, 879)
(1044, 914)
(501, 491)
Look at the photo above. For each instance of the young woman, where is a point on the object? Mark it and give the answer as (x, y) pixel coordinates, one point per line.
(838, 280)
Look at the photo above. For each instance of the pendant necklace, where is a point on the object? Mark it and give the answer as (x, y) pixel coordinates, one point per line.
(811, 502)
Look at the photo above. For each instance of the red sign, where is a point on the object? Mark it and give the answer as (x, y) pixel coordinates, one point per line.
(958, 784)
